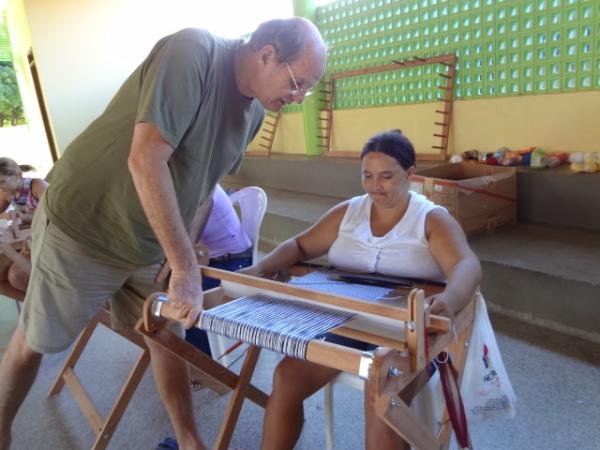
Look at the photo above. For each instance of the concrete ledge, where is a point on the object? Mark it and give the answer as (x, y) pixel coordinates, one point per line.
(335, 177)
(559, 197)
(543, 275)
(552, 197)
(560, 252)
(290, 213)
(561, 304)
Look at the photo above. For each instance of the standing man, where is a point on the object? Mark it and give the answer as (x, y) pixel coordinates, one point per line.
(125, 191)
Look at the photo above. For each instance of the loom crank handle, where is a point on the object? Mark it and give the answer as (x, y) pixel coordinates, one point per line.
(157, 310)
(153, 311)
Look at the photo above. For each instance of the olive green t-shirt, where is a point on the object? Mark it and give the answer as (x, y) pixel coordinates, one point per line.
(186, 88)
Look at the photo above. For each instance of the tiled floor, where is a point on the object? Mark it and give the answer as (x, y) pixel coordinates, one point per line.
(556, 378)
(8, 320)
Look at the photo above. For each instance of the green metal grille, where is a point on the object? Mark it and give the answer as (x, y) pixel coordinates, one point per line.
(511, 47)
(5, 50)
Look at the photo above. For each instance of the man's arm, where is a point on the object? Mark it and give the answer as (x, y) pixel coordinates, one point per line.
(196, 230)
(201, 218)
(148, 166)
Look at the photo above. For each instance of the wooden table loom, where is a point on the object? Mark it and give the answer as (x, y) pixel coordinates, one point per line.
(396, 366)
(18, 232)
(12, 239)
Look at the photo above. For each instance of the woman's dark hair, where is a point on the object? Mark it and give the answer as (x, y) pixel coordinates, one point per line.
(394, 144)
(286, 35)
(10, 167)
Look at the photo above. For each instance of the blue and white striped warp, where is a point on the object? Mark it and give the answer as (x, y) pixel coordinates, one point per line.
(284, 326)
(320, 281)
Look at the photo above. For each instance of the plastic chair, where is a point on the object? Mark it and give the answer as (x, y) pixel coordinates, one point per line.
(343, 378)
(252, 204)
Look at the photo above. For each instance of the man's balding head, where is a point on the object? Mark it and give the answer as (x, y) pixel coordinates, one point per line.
(289, 37)
(281, 62)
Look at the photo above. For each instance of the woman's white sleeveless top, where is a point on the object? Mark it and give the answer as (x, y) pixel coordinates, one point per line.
(402, 252)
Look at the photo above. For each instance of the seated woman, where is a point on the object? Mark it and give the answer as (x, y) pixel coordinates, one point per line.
(19, 192)
(229, 248)
(389, 230)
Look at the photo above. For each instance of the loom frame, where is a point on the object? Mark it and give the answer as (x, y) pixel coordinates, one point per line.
(16, 234)
(397, 367)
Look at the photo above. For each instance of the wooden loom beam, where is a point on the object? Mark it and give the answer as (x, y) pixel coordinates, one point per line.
(391, 372)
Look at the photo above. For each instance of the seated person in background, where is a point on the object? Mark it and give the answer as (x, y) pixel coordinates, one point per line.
(18, 192)
(229, 248)
(391, 231)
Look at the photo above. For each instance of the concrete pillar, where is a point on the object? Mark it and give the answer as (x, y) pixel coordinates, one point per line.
(310, 106)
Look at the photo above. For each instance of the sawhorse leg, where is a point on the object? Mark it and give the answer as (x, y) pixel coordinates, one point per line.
(103, 428)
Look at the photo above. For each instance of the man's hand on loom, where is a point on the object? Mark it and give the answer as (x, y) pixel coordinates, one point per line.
(185, 296)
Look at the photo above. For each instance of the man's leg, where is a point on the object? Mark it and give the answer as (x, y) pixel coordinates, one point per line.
(18, 369)
(172, 381)
(61, 298)
(171, 375)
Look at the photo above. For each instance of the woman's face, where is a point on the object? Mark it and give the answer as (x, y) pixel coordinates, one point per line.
(384, 179)
(9, 183)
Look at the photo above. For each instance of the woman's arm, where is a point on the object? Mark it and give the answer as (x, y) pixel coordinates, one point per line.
(309, 244)
(38, 186)
(448, 244)
(4, 201)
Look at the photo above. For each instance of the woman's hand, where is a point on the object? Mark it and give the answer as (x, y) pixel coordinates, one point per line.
(255, 272)
(439, 304)
(250, 270)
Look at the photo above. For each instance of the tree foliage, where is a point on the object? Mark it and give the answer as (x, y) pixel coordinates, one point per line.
(11, 106)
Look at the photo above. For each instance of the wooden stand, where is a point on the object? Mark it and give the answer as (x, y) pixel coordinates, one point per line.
(102, 428)
(12, 239)
(215, 376)
(394, 367)
(17, 233)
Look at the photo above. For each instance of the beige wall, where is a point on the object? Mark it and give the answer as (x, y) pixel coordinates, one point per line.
(85, 49)
(557, 122)
(289, 137)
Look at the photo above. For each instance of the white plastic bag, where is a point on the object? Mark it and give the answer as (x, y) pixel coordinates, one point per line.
(486, 389)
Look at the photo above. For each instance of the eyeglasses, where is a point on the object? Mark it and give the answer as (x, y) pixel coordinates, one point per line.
(297, 92)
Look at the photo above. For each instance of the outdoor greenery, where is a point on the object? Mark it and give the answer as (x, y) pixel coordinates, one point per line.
(11, 106)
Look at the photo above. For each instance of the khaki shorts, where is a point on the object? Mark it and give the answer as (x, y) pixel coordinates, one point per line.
(69, 284)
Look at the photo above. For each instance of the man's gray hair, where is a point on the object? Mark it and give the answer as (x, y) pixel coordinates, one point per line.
(288, 36)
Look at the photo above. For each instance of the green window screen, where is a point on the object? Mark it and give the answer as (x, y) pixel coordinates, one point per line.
(5, 50)
(512, 47)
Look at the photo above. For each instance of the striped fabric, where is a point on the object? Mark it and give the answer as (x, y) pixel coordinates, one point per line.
(281, 325)
(321, 281)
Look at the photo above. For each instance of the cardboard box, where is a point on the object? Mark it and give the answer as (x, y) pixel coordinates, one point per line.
(480, 197)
